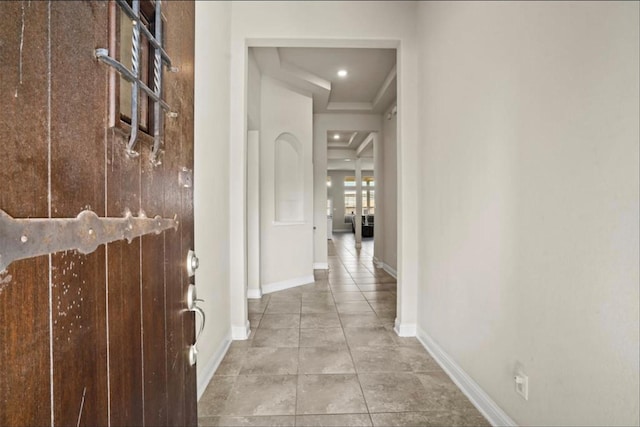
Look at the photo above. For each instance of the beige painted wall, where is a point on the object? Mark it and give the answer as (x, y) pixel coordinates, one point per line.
(211, 180)
(529, 245)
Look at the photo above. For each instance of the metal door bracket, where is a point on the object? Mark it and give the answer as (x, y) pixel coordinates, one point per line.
(27, 238)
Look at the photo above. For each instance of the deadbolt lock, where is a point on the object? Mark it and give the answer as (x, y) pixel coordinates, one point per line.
(192, 263)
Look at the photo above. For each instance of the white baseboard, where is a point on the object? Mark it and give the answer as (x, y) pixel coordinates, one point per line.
(320, 266)
(481, 400)
(392, 271)
(254, 293)
(404, 329)
(240, 332)
(212, 364)
(378, 262)
(287, 284)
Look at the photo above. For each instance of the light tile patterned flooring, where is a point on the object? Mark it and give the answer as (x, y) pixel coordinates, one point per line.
(325, 354)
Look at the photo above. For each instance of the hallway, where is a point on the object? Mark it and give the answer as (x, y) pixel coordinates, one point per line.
(325, 354)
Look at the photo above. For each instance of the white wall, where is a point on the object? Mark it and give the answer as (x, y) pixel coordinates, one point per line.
(389, 196)
(211, 180)
(254, 84)
(327, 24)
(254, 79)
(529, 243)
(254, 288)
(286, 249)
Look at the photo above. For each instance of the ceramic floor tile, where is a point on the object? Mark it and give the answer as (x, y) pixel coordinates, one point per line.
(359, 320)
(428, 419)
(315, 307)
(286, 295)
(257, 306)
(387, 319)
(283, 307)
(345, 288)
(368, 337)
(379, 359)
(270, 361)
(280, 321)
(232, 362)
(379, 296)
(325, 337)
(265, 421)
(372, 287)
(329, 394)
(389, 314)
(373, 279)
(396, 392)
(362, 276)
(311, 361)
(341, 281)
(262, 395)
(360, 273)
(404, 341)
(287, 292)
(315, 287)
(317, 298)
(254, 319)
(348, 296)
(419, 359)
(276, 337)
(342, 420)
(325, 360)
(354, 307)
(215, 396)
(448, 396)
(320, 320)
(383, 306)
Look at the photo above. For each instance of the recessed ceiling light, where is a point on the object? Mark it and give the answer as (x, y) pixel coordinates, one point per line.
(347, 160)
(342, 73)
(336, 136)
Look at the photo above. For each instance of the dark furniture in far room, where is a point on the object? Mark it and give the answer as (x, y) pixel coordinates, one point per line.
(367, 225)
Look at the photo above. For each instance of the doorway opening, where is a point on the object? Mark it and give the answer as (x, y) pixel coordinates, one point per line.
(349, 114)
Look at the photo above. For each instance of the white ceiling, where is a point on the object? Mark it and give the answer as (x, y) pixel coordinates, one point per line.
(369, 88)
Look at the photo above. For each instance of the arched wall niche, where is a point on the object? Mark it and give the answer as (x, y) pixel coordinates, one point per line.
(289, 181)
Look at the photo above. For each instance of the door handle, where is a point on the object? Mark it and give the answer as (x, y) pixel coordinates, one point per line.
(192, 305)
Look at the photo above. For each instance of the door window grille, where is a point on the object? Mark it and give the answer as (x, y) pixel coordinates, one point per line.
(143, 20)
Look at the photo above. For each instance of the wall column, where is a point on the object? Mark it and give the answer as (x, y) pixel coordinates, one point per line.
(254, 289)
(358, 218)
(378, 176)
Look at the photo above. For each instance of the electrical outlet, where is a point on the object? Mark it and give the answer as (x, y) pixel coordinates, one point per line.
(522, 385)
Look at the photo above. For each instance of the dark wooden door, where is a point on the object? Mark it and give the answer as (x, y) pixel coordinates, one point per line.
(102, 338)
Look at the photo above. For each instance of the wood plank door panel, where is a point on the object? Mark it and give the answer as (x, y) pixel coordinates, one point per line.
(24, 285)
(78, 282)
(179, 152)
(102, 338)
(125, 385)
